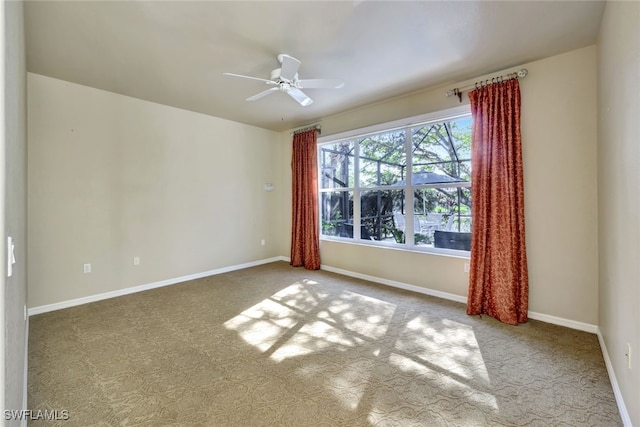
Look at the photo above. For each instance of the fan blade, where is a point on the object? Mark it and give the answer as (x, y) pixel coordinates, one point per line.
(261, 94)
(300, 96)
(269, 82)
(289, 66)
(320, 83)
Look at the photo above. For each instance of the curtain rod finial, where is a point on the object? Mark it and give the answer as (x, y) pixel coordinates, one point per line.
(456, 92)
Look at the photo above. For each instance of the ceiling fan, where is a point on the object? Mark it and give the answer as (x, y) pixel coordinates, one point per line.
(285, 79)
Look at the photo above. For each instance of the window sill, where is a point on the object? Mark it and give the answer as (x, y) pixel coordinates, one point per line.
(451, 253)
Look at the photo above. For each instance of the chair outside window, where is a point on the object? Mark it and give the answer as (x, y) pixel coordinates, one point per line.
(432, 222)
(399, 219)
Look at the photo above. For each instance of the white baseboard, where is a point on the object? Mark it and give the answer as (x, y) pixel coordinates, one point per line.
(586, 327)
(624, 414)
(426, 291)
(120, 292)
(395, 284)
(560, 321)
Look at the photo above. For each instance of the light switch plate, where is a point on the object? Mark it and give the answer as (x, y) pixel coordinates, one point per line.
(11, 258)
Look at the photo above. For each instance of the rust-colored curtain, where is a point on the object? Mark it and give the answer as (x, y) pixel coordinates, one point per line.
(498, 278)
(305, 239)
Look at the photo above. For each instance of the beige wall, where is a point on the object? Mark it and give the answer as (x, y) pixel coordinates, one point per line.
(115, 177)
(619, 194)
(559, 137)
(14, 170)
(559, 129)
(112, 177)
(285, 195)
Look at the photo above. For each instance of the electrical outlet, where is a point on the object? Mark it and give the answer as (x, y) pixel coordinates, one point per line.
(466, 267)
(628, 354)
(87, 268)
(262, 242)
(136, 260)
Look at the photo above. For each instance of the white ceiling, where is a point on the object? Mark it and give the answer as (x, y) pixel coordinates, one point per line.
(175, 52)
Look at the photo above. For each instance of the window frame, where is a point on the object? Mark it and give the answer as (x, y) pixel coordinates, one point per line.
(405, 125)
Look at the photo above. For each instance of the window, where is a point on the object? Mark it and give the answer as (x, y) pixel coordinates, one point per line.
(405, 186)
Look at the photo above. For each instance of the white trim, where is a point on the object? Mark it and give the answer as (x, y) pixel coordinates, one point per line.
(572, 324)
(120, 292)
(449, 113)
(624, 414)
(560, 321)
(400, 285)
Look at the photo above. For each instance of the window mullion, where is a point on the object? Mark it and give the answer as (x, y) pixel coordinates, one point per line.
(408, 197)
(356, 192)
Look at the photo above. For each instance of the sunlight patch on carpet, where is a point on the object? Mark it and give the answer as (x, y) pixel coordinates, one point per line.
(292, 316)
(300, 297)
(456, 387)
(263, 324)
(314, 337)
(302, 320)
(359, 314)
(446, 345)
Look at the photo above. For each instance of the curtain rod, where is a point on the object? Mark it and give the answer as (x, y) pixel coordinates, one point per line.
(482, 83)
(306, 128)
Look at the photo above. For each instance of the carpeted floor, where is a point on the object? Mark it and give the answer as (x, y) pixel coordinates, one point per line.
(278, 346)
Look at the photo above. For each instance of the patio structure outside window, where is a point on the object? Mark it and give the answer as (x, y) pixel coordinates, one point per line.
(406, 186)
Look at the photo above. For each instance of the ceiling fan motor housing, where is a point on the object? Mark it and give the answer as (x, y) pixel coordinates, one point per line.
(276, 76)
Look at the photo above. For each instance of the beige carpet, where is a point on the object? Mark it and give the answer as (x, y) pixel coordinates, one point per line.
(278, 346)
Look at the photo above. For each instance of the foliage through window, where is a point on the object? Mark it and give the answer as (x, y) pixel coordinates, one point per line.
(408, 186)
